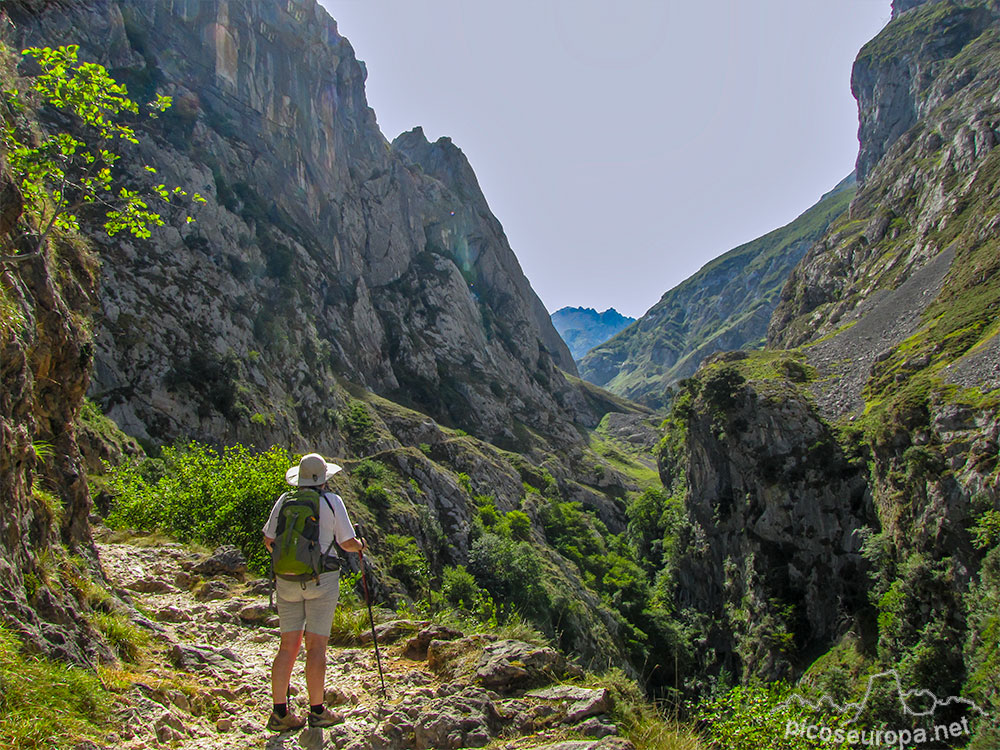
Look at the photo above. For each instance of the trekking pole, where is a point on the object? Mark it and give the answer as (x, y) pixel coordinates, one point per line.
(371, 617)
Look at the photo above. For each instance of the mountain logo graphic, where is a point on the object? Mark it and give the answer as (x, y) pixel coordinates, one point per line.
(906, 699)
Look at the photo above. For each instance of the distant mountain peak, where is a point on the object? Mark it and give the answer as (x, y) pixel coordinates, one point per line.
(583, 328)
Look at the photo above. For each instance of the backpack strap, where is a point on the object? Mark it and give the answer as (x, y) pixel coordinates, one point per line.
(326, 499)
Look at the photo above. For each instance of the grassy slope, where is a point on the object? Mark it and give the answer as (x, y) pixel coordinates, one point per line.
(726, 305)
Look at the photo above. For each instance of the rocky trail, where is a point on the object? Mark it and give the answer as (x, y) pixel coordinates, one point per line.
(205, 681)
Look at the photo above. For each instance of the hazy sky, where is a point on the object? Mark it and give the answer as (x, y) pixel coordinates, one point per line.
(624, 144)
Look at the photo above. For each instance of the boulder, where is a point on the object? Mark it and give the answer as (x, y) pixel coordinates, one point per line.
(170, 613)
(580, 703)
(254, 613)
(511, 665)
(212, 589)
(226, 560)
(416, 647)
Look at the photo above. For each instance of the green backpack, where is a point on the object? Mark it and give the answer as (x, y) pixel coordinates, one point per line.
(296, 554)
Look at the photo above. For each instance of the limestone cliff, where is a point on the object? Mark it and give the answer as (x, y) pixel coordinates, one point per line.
(324, 251)
(889, 325)
(768, 563)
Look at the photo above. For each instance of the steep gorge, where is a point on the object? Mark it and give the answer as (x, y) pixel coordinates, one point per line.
(329, 268)
(826, 494)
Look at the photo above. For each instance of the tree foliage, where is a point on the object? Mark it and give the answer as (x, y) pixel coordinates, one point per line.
(59, 174)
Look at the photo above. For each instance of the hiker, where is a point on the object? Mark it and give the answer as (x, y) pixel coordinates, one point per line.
(306, 596)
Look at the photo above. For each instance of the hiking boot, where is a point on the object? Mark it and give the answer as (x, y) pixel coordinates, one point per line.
(286, 723)
(326, 719)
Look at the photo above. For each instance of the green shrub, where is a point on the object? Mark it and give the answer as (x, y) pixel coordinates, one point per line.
(405, 561)
(376, 496)
(359, 425)
(511, 572)
(751, 717)
(518, 524)
(370, 470)
(986, 531)
(459, 587)
(198, 494)
(982, 646)
(723, 388)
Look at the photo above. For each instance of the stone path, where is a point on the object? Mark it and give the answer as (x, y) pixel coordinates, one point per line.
(206, 684)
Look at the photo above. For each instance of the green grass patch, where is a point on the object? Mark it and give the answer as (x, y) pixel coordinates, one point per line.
(128, 641)
(46, 704)
(646, 726)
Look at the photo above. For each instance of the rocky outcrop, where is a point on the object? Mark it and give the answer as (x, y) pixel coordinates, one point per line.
(774, 509)
(894, 71)
(896, 308)
(725, 306)
(927, 195)
(901, 6)
(324, 252)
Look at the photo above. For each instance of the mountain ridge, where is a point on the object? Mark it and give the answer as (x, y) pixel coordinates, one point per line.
(726, 305)
(583, 328)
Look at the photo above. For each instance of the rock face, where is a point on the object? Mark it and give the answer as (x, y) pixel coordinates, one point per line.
(774, 511)
(583, 328)
(725, 306)
(896, 309)
(324, 251)
(45, 353)
(901, 6)
(894, 71)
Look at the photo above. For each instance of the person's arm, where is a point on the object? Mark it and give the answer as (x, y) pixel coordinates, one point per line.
(352, 545)
(347, 538)
(271, 527)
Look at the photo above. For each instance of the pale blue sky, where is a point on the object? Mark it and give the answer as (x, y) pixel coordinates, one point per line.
(624, 144)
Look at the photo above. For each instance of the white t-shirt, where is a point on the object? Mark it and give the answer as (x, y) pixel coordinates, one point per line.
(333, 524)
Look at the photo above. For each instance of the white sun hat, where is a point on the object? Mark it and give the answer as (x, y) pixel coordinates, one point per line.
(312, 470)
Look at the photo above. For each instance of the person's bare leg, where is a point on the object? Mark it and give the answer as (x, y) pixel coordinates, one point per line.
(316, 667)
(284, 662)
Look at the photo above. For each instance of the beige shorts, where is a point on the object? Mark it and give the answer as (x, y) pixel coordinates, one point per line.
(308, 606)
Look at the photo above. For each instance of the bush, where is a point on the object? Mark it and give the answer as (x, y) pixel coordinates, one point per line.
(519, 525)
(750, 717)
(369, 470)
(459, 587)
(511, 572)
(405, 561)
(376, 497)
(360, 426)
(198, 494)
(723, 389)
